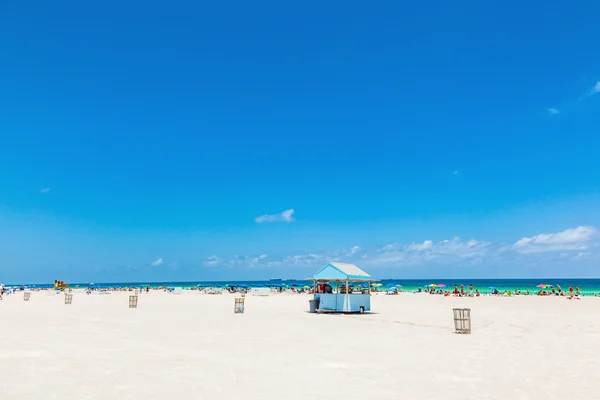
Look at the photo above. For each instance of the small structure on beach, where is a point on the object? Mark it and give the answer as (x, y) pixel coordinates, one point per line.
(60, 285)
(260, 291)
(238, 305)
(462, 320)
(133, 301)
(340, 287)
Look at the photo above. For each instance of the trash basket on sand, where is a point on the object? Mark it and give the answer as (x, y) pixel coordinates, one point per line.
(26, 296)
(133, 301)
(68, 298)
(238, 306)
(462, 320)
(312, 306)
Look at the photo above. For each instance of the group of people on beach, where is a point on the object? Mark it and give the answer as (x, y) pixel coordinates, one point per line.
(460, 291)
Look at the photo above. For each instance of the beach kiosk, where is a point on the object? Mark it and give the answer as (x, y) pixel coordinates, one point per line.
(340, 287)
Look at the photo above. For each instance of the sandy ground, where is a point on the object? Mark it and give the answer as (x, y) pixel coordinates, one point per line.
(193, 346)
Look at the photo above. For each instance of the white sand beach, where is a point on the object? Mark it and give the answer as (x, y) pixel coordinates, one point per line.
(194, 346)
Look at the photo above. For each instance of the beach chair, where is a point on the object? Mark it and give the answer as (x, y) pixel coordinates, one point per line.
(26, 296)
(238, 305)
(133, 301)
(462, 320)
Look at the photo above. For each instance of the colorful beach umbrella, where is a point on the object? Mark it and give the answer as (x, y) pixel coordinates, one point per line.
(441, 285)
(543, 285)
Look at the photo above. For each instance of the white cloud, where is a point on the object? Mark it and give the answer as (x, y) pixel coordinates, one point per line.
(426, 245)
(456, 173)
(45, 190)
(157, 262)
(262, 259)
(596, 88)
(570, 239)
(304, 259)
(571, 244)
(285, 216)
(552, 111)
(212, 261)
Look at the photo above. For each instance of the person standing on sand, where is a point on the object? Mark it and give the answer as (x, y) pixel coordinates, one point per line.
(558, 288)
(462, 289)
(471, 290)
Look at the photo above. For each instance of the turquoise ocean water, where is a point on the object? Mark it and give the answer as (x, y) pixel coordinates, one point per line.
(587, 286)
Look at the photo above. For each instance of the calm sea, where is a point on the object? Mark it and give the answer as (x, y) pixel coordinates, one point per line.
(587, 286)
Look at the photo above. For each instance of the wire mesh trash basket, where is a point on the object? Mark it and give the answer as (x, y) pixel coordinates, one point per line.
(462, 320)
(238, 306)
(26, 296)
(68, 298)
(133, 301)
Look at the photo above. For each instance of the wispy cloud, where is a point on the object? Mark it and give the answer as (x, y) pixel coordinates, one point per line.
(212, 261)
(570, 239)
(552, 111)
(285, 216)
(426, 245)
(157, 262)
(595, 89)
(456, 173)
(574, 244)
(45, 190)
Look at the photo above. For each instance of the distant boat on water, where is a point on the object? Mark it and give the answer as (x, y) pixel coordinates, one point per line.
(275, 280)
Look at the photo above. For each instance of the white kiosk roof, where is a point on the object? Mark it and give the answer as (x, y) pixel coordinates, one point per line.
(340, 271)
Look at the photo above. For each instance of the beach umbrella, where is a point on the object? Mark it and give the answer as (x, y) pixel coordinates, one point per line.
(543, 285)
(441, 285)
(399, 286)
(493, 287)
(377, 284)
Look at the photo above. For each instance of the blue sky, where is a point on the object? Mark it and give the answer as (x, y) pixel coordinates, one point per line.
(145, 140)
